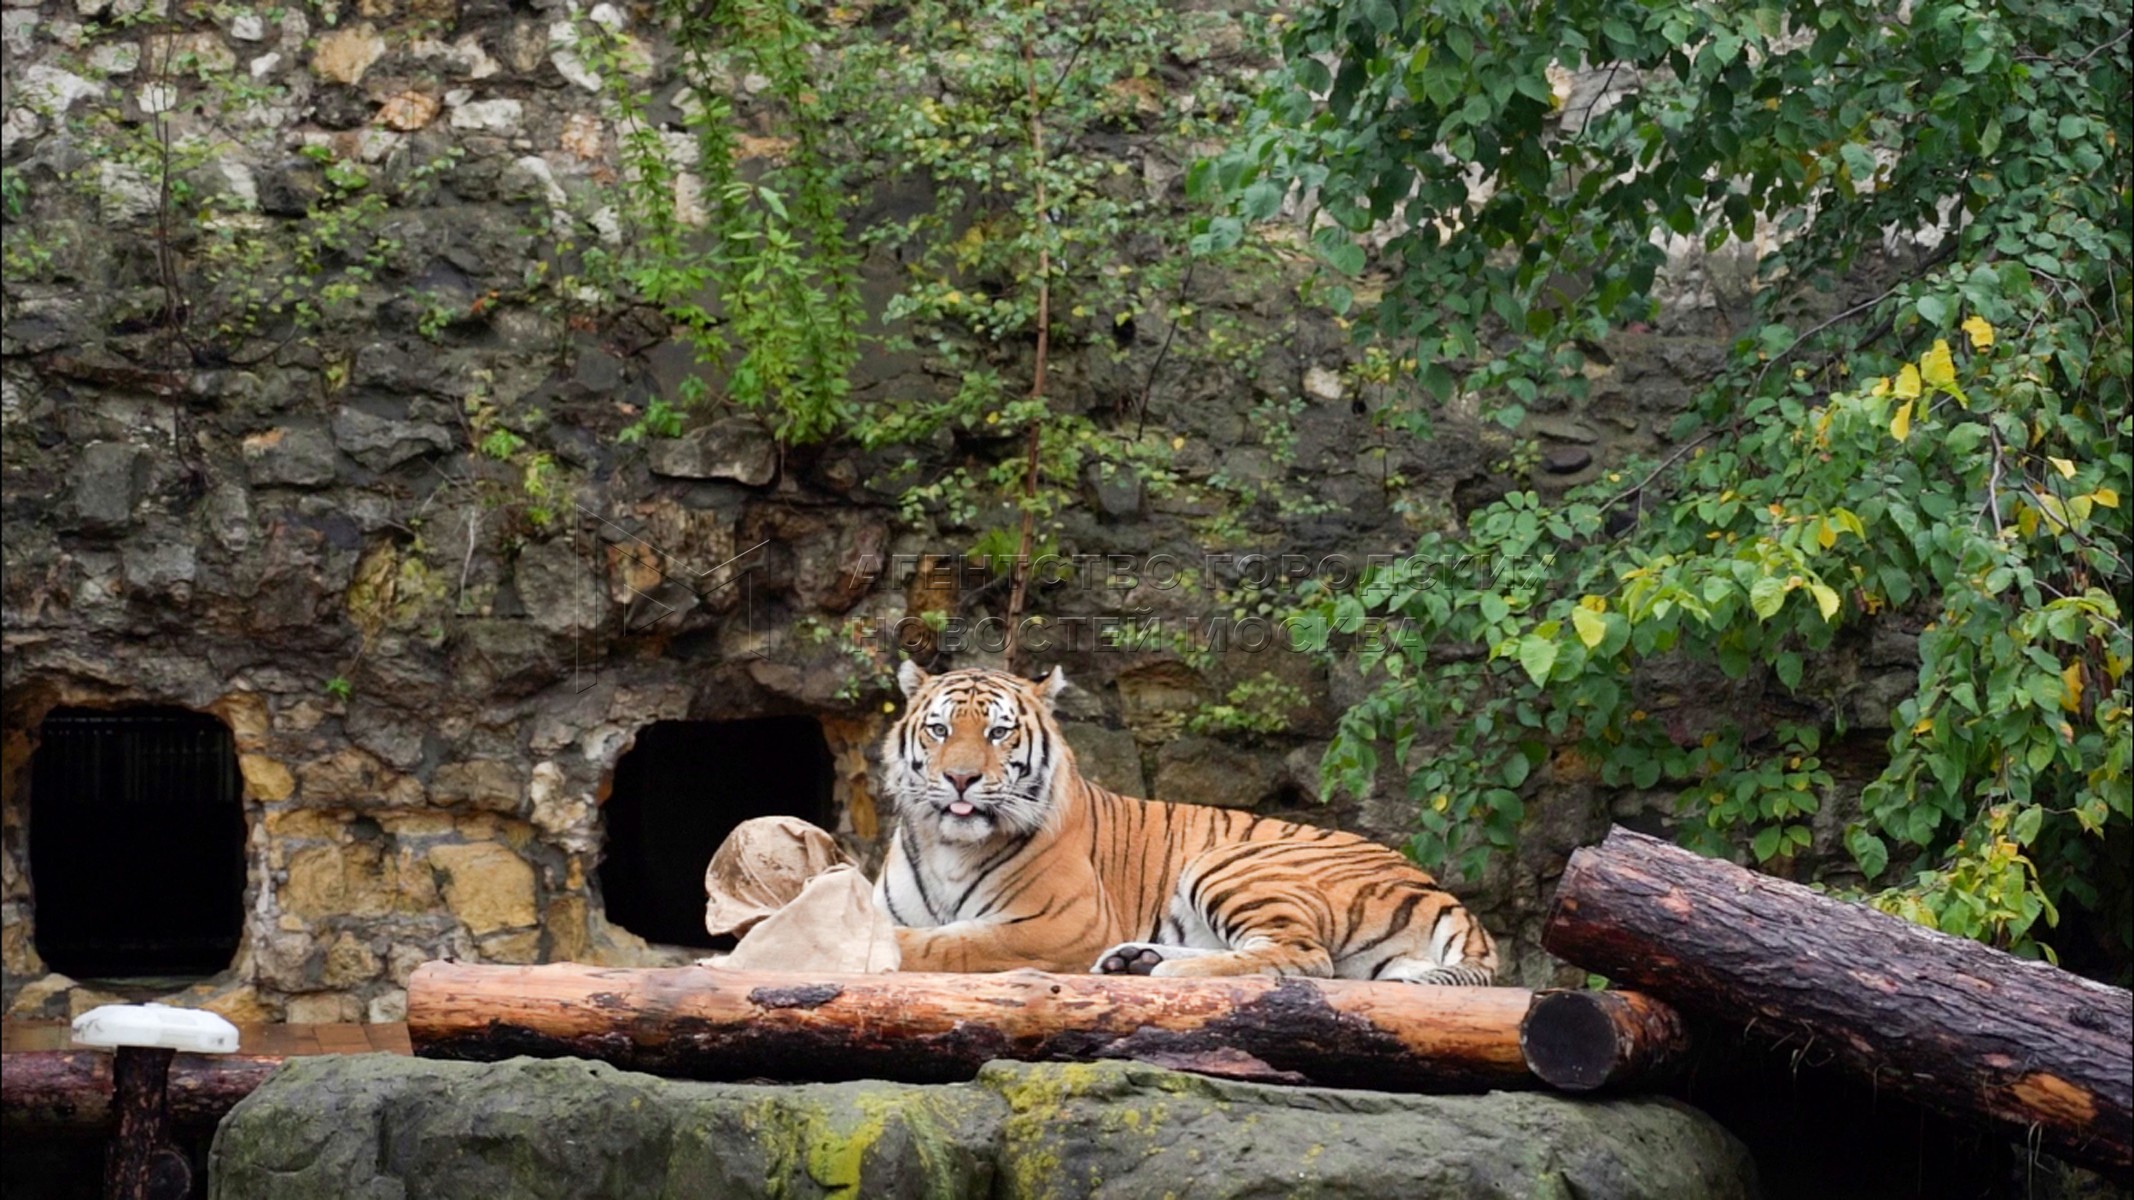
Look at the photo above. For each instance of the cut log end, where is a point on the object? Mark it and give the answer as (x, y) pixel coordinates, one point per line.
(1579, 1041)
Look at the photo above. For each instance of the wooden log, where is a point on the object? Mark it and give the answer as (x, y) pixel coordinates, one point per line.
(140, 1164)
(72, 1089)
(1580, 1041)
(705, 1023)
(1943, 1020)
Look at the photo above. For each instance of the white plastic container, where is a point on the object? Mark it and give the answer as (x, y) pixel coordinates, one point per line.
(155, 1025)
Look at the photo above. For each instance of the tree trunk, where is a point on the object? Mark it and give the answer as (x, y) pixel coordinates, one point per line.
(713, 1024)
(1945, 1021)
(72, 1089)
(1582, 1041)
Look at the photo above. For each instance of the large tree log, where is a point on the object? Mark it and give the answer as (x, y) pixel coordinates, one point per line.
(705, 1023)
(72, 1089)
(1946, 1021)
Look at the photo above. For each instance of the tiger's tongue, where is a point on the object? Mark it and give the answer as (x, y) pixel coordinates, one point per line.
(962, 808)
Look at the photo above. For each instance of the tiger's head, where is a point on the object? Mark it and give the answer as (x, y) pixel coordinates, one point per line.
(975, 754)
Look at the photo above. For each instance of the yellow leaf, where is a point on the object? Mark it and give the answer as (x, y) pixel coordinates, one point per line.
(1825, 536)
(1922, 725)
(1825, 599)
(1591, 628)
(1907, 385)
(1178, 443)
(1981, 333)
(2063, 466)
(2026, 520)
(1937, 366)
(1900, 426)
(1881, 387)
(1598, 604)
(2109, 497)
(2071, 687)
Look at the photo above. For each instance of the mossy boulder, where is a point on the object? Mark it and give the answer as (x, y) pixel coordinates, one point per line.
(379, 1126)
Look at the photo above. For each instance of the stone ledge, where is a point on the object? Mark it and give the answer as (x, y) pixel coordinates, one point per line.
(377, 1125)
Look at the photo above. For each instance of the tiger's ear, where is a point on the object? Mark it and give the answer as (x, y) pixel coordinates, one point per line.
(1050, 687)
(911, 677)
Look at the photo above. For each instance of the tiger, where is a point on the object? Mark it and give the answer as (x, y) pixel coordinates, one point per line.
(1005, 857)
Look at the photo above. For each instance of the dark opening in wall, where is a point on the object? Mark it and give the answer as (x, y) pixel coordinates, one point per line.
(680, 790)
(137, 843)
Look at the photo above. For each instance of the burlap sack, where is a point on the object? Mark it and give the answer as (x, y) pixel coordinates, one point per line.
(760, 868)
(797, 901)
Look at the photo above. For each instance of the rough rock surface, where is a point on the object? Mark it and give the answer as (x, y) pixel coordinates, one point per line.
(379, 1126)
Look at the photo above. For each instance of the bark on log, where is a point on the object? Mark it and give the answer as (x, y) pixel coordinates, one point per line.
(72, 1089)
(705, 1023)
(1581, 1041)
(1945, 1021)
(139, 1164)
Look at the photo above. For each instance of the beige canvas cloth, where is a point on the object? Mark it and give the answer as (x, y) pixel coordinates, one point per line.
(796, 900)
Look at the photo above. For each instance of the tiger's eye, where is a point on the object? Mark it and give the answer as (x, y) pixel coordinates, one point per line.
(937, 732)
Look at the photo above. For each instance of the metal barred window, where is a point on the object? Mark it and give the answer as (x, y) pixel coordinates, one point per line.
(137, 843)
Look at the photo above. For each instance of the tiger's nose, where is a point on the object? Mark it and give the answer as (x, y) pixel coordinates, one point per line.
(961, 782)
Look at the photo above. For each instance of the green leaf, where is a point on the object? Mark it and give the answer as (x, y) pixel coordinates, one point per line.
(1766, 843)
(2024, 829)
(1787, 666)
(1869, 851)
(1516, 769)
(1537, 654)
(1766, 596)
(1590, 626)
(1381, 15)
(1261, 201)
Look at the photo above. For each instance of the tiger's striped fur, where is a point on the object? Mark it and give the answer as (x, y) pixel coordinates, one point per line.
(1005, 857)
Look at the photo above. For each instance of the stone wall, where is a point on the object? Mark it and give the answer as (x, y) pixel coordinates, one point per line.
(429, 687)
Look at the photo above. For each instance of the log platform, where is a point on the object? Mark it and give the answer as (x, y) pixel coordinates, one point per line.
(704, 1023)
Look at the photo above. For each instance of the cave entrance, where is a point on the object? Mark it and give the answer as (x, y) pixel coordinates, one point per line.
(680, 790)
(137, 843)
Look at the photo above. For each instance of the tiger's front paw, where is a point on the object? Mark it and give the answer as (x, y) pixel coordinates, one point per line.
(1128, 958)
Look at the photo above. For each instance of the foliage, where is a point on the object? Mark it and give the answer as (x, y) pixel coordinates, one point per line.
(1011, 143)
(235, 284)
(541, 489)
(1943, 459)
(767, 291)
(1261, 705)
(1028, 209)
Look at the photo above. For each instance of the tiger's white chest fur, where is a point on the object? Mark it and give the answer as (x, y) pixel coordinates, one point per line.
(942, 884)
